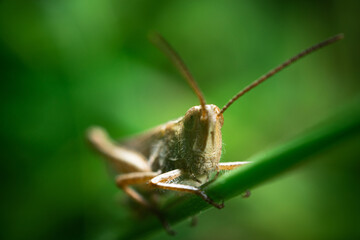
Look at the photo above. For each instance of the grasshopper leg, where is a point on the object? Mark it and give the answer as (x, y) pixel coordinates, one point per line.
(230, 165)
(123, 182)
(123, 160)
(223, 166)
(131, 166)
(160, 181)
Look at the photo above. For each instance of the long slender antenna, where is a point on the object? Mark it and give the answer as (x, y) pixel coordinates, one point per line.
(281, 67)
(166, 48)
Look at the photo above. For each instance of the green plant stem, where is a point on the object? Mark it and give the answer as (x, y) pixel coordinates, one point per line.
(264, 166)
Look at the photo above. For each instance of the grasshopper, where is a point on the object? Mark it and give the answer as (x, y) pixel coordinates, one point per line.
(188, 147)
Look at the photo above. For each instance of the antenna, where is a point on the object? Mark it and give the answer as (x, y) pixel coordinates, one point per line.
(165, 47)
(281, 67)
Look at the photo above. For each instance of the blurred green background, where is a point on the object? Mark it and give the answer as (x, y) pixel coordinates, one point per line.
(67, 65)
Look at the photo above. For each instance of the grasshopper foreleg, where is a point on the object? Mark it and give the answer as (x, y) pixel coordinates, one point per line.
(161, 180)
(230, 165)
(223, 166)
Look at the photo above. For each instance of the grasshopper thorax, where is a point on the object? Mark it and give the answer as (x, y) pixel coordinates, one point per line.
(201, 139)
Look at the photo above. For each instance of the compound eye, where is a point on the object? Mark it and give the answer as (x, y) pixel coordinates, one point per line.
(190, 122)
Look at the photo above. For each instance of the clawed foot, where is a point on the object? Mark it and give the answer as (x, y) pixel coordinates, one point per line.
(218, 206)
(203, 195)
(246, 194)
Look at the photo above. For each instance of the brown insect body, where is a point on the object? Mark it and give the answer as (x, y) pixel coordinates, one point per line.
(188, 148)
(190, 143)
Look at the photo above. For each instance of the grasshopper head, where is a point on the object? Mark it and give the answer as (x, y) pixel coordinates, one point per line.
(202, 135)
